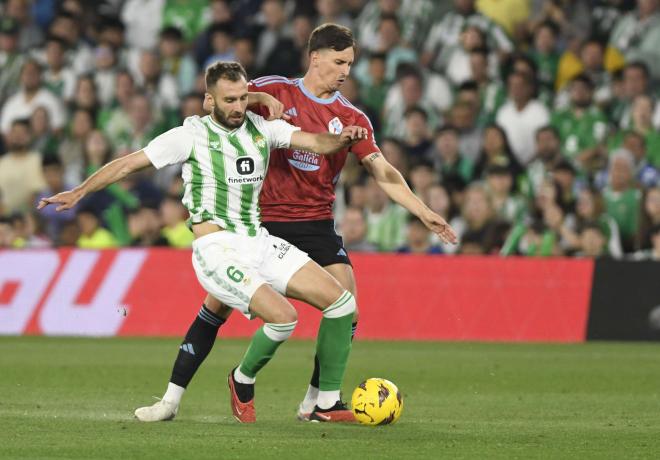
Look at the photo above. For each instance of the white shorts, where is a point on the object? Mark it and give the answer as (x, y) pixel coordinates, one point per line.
(231, 267)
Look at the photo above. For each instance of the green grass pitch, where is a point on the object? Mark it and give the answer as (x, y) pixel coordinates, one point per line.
(74, 398)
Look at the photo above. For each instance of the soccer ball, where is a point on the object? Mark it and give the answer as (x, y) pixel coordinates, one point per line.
(377, 402)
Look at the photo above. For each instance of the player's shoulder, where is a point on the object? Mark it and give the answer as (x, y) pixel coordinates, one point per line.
(261, 122)
(193, 122)
(350, 112)
(272, 82)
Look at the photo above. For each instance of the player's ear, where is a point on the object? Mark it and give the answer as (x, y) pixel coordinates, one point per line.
(208, 102)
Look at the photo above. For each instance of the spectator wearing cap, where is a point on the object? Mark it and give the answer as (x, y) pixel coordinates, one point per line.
(11, 59)
(522, 115)
(175, 61)
(21, 176)
(582, 127)
(446, 156)
(637, 35)
(92, 234)
(622, 198)
(32, 94)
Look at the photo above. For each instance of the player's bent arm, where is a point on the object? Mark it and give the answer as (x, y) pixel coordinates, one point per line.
(393, 183)
(110, 173)
(327, 143)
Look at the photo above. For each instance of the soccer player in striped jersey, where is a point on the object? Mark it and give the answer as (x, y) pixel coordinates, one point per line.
(298, 194)
(225, 157)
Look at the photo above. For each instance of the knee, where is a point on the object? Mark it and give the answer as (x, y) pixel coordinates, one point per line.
(344, 305)
(214, 305)
(285, 316)
(279, 332)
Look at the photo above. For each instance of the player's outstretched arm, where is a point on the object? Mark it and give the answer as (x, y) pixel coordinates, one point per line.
(112, 172)
(393, 183)
(327, 143)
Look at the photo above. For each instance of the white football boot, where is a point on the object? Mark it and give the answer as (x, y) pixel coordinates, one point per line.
(159, 412)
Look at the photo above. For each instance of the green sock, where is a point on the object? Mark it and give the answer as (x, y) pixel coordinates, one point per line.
(261, 350)
(332, 348)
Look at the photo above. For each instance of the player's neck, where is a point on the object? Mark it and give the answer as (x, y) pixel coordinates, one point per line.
(316, 87)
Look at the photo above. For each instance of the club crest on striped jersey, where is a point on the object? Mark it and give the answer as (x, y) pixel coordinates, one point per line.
(335, 126)
(259, 141)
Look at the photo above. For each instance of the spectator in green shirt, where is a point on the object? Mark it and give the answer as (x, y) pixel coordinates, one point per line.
(446, 156)
(545, 55)
(583, 126)
(622, 198)
(641, 116)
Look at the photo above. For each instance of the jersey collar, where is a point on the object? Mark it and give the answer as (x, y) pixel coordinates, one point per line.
(308, 93)
(222, 129)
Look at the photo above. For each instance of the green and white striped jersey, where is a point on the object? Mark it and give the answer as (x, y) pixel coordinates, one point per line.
(223, 171)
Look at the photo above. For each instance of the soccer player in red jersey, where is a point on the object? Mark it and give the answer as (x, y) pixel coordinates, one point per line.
(298, 194)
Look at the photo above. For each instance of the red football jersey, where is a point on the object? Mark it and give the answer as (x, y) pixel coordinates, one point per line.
(300, 185)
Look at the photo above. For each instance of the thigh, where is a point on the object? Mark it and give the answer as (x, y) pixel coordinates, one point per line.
(344, 274)
(281, 260)
(270, 306)
(226, 270)
(315, 286)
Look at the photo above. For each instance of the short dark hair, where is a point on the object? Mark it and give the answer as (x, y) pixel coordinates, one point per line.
(171, 33)
(584, 79)
(227, 70)
(416, 110)
(639, 65)
(549, 129)
(332, 36)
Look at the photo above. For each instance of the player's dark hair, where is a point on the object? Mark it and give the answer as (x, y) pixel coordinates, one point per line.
(232, 71)
(331, 36)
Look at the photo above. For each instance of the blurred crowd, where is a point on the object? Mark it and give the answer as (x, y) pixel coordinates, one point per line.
(531, 125)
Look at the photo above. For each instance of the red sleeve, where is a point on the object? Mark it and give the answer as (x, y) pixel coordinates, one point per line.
(368, 146)
(260, 109)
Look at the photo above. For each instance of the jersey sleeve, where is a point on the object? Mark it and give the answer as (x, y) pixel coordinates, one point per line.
(258, 86)
(277, 132)
(170, 148)
(367, 146)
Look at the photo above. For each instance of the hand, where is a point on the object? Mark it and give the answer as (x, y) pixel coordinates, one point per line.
(274, 106)
(439, 226)
(351, 135)
(66, 200)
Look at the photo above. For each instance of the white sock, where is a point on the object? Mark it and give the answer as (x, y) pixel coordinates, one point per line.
(327, 399)
(241, 377)
(174, 393)
(309, 402)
